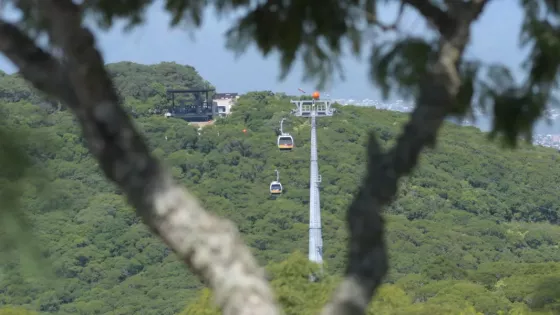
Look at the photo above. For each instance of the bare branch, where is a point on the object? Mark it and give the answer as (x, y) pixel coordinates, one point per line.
(442, 21)
(45, 72)
(367, 261)
(372, 18)
(211, 246)
(459, 12)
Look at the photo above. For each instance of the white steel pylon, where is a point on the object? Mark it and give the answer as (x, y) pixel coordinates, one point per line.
(313, 109)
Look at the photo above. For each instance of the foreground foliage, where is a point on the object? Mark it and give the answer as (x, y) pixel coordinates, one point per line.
(417, 294)
(474, 227)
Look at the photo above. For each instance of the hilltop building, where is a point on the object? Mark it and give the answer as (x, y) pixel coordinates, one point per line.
(224, 102)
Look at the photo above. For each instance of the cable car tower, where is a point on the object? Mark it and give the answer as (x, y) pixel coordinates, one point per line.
(314, 108)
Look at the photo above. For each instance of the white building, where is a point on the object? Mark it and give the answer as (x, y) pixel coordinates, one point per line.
(224, 102)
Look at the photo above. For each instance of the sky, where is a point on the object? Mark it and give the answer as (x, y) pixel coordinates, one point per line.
(494, 39)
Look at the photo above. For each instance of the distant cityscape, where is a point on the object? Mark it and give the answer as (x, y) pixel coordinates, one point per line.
(541, 137)
(551, 141)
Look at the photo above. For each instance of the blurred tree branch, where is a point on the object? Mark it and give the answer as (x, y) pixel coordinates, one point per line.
(367, 262)
(373, 19)
(211, 246)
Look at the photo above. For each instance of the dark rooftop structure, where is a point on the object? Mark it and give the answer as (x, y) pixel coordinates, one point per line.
(225, 95)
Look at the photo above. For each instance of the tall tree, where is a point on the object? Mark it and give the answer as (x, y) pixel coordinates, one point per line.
(434, 71)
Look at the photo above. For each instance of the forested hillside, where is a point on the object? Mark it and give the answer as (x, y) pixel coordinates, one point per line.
(474, 229)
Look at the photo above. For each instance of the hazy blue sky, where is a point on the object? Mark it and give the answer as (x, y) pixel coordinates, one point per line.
(495, 38)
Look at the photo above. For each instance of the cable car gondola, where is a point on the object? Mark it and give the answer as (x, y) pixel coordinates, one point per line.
(285, 141)
(276, 186)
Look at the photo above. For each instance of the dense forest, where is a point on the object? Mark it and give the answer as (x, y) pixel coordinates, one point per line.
(473, 231)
